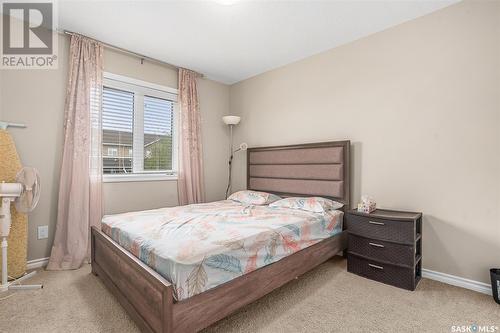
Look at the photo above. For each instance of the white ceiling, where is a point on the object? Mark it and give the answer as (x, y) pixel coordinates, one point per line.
(229, 43)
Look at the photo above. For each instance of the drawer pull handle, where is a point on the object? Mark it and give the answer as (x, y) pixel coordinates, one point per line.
(376, 245)
(375, 266)
(376, 223)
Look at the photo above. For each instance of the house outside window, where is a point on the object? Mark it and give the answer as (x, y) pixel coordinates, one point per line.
(112, 152)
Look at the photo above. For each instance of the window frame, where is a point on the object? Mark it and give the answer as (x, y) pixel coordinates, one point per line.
(140, 89)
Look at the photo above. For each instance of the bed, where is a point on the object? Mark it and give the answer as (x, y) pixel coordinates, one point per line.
(199, 275)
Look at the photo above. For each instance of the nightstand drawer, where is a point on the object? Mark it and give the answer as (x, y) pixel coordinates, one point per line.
(397, 231)
(401, 277)
(381, 250)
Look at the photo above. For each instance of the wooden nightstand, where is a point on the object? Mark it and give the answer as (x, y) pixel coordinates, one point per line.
(386, 246)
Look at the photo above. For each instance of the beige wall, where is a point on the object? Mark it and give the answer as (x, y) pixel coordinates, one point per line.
(421, 104)
(1, 85)
(36, 97)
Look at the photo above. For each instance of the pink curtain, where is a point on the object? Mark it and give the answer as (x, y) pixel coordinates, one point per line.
(190, 184)
(80, 198)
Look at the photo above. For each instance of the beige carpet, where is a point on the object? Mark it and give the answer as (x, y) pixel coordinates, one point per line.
(327, 299)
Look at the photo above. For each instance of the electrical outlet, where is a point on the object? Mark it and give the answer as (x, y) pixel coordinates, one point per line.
(43, 232)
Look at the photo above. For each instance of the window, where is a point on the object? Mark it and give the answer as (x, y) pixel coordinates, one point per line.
(139, 130)
(112, 152)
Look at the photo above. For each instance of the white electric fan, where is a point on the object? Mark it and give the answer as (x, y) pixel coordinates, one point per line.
(25, 193)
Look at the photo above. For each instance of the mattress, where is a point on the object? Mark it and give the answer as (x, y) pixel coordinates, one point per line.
(198, 247)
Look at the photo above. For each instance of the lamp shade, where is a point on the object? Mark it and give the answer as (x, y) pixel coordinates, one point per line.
(231, 120)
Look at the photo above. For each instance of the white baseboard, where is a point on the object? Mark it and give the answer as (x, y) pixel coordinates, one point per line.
(480, 287)
(37, 263)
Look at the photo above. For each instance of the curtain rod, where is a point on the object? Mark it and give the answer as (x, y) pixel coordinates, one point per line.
(122, 50)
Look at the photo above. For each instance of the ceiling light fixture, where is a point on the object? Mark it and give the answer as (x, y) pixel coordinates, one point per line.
(226, 2)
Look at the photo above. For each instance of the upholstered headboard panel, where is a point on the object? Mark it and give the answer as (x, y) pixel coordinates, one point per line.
(314, 169)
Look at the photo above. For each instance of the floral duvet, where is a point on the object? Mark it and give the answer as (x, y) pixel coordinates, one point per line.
(198, 247)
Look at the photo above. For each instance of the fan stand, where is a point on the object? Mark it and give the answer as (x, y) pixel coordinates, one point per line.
(5, 221)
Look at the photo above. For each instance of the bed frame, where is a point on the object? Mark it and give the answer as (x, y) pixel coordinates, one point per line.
(309, 169)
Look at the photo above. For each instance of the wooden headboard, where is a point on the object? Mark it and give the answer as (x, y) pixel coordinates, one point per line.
(312, 169)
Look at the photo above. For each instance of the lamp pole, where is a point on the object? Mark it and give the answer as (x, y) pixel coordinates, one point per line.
(231, 140)
(231, 121)
(230, 159)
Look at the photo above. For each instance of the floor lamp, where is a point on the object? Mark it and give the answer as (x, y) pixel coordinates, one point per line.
(232, 121)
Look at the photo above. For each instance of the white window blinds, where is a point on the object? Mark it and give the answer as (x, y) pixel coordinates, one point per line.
(117, 127)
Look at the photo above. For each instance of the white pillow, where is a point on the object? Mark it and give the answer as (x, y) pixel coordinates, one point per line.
(254, 197)
(311, 204)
